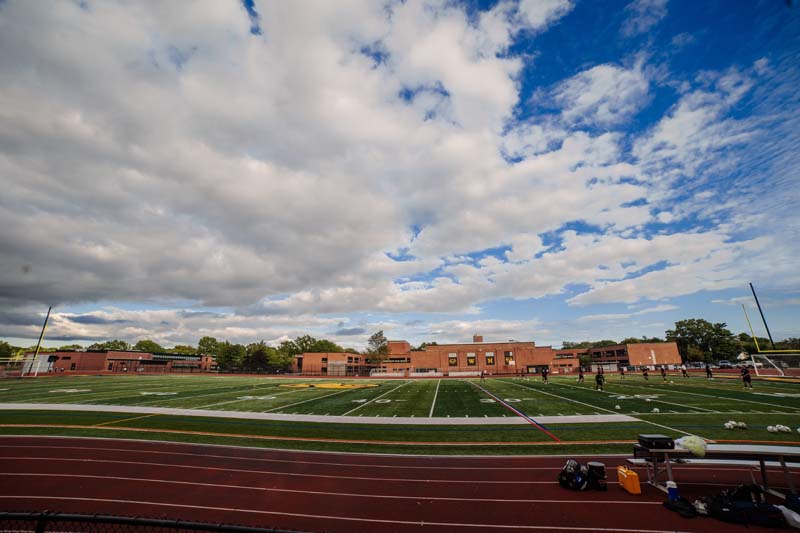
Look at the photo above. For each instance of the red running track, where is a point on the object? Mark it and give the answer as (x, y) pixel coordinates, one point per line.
(313, 491)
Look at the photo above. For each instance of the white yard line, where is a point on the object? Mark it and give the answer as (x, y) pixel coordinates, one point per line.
(709, 396)
(376, 398)
(246, 399)
(652, 400)
(309, 400)
(562, 397)
(435, 394)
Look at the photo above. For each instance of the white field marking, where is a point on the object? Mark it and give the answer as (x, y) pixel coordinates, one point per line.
(659, 401)
(309, 400)
(120, 392)
(378, 398)
(250, 389)
(435, 394)
(126, 391)
(243, 400)
(323, 493)
(449, 525)
(672, 429)
(562, 397)
(276, 473)
(712, 396)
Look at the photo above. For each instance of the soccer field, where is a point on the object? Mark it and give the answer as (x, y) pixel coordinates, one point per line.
(511, 412)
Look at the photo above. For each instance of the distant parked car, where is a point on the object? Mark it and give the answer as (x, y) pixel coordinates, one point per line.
(724, 363)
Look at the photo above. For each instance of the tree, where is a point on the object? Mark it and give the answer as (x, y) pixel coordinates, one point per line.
(208, 346)
(308, 344)
(377, 347)
(699, 339)
(183, 349)
(422, 346)
(279, 360)
(636, 340)
(115, 345)
(258, 355)
(146, 345)
(70, 347)
(6, 350)
(231, 356)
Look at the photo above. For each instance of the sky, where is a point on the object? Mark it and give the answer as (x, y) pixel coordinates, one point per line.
(542, 170)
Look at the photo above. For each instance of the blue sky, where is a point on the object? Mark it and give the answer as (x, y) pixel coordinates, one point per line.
(541, 170)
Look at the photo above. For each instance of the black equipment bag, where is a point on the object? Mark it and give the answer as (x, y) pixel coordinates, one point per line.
(574, 476)
(746, 505)
(656, 442)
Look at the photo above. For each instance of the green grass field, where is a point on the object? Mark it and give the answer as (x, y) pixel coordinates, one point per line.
(685, 406)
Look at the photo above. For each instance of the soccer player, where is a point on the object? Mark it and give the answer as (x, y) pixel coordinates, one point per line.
(664, 373)
(746, 378)
(580, 375)
(599, 378)
(709, 375)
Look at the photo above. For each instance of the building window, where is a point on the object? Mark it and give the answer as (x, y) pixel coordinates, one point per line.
(489, 358)
(452, 359)
(509, 357)
(471, 359)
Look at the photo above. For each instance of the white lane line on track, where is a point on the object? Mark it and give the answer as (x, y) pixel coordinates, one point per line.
(277, 473)
(321, 493)
(449, 525)
(309, 400)
(435, 394)
(377, 398)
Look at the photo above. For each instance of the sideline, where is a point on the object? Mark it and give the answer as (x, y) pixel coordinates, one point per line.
(252, 415)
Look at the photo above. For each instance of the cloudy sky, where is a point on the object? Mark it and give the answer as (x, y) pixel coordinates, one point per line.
(541, 170)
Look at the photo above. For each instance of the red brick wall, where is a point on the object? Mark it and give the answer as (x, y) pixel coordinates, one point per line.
(666, 353)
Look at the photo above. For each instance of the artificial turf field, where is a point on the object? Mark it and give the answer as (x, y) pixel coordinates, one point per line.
(685, 406)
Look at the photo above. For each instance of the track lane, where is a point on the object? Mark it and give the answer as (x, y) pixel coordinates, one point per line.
(214, 486)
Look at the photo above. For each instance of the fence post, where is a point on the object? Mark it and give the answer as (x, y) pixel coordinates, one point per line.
(41, 522)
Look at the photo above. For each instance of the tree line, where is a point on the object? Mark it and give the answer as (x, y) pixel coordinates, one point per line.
(697, 340)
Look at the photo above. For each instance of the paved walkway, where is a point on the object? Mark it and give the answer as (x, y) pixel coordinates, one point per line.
(572, 419)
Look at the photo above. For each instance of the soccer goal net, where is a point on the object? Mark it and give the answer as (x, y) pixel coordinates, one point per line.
(774, 364)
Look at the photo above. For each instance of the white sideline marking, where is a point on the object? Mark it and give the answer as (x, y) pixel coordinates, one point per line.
(317, 492)
(346, 518)
(378, 398)
(270, 472)
(435, 394)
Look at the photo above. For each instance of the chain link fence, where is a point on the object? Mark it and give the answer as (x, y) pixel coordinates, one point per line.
(62, 522)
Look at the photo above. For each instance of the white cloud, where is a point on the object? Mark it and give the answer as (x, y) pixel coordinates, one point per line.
(643, 15)
(537, 14)
(622, 316)
(605, 95)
